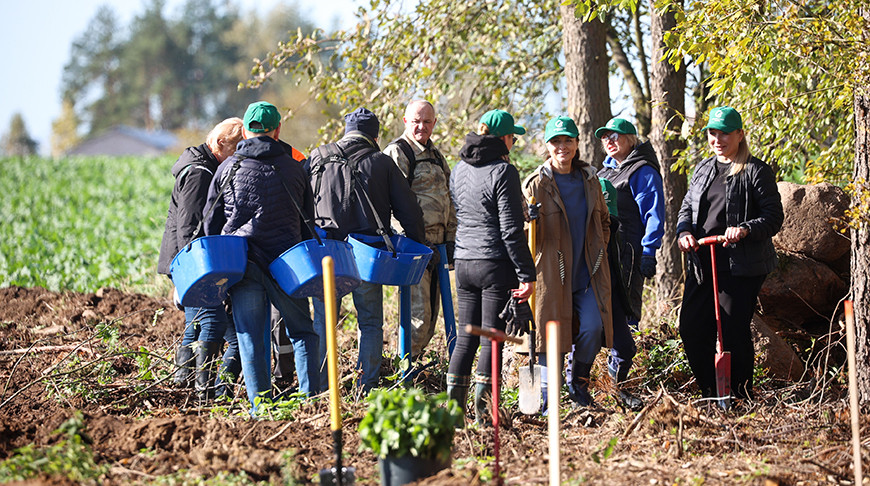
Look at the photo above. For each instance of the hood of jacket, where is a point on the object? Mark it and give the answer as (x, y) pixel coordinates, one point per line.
(642, 153)
(480, 149)
(195, 155)
(259, 148)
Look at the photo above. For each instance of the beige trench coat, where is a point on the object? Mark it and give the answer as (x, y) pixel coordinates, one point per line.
(553, 291)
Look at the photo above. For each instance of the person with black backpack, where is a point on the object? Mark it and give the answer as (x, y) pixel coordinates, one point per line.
(356, 190)
(428, 175)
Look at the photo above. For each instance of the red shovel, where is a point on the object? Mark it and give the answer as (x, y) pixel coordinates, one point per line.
(723, 358)
(496, 337)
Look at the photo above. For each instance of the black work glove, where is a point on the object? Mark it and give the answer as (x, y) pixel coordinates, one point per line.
(648, 266)
(517, 316)
(534, 211)
(450, 248)
(436, 258)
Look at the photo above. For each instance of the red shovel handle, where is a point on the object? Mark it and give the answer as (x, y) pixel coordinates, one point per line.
(493, 334)
(711, 240)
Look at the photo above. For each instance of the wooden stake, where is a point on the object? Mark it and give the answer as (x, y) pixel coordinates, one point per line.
(554, 375)
(853, 391)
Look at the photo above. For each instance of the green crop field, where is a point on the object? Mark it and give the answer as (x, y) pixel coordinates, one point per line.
(83, 223)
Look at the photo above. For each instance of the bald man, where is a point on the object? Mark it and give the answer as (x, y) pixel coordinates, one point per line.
(428, 174)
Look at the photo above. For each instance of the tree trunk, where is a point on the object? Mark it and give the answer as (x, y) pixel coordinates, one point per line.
(861, 245)
(586, 72)
(667, 88)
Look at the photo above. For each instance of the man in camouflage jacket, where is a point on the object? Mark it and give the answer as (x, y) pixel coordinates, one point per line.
(428, 175)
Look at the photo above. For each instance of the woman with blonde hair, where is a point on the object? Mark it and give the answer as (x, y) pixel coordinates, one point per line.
(205, 328)
(732, 194)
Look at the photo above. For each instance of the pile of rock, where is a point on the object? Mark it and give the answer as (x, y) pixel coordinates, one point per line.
(803, 293)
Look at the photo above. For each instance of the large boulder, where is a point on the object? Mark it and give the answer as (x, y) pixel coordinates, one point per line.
(773, 353)
(800, 291)
(810, 215)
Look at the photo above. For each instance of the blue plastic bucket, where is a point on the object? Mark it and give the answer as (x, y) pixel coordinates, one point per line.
(379, 266)
(205, 269)
(299, 270)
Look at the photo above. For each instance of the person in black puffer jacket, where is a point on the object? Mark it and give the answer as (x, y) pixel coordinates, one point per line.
(204, 328)
(254, 193)
(732, 194)
(492, 256)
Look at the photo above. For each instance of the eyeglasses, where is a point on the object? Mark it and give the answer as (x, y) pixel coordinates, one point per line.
(514, 139)
(612, 136)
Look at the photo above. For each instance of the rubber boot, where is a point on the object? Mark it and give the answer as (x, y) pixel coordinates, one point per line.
(457, 389)
(483, 404)
(184, 363)
(578, 387)
(206, 353)
(626, 398)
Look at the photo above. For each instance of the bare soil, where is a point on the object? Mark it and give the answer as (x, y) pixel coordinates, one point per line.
(53, 362)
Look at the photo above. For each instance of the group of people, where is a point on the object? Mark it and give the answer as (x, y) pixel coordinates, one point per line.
(597, 234)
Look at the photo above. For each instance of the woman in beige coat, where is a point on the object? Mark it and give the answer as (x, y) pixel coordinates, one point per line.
(573, 277)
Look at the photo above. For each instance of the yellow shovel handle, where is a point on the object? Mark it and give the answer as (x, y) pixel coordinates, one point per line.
(329, 302)
(533, 227)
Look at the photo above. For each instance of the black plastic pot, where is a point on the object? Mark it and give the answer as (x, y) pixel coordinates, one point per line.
(397, 471)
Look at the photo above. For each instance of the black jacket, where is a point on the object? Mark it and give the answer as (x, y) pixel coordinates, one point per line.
(752, 201)
(256, 204)
(380, 178)
(193, 171)
(489, 206)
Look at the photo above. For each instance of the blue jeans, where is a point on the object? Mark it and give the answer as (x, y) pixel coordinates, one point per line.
(251, 313)
(204, 324)
(231, 367)
(588, 340)
(368, 299)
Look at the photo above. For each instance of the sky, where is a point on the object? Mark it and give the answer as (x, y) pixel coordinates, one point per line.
(37, 36)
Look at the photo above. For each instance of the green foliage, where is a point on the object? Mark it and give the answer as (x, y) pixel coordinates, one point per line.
(402, 422)
(69, 458)
(466, 57)
(83, 223)
(604, 453)
(790, 68)
(279, 408)
(172, 72)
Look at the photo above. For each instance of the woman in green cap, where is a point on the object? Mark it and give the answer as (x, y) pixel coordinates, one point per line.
(492, 259)
(573, 276)
(732, 194)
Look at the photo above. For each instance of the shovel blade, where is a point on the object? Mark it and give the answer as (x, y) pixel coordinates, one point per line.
(329, 477)
(723, 379)
(530, 390)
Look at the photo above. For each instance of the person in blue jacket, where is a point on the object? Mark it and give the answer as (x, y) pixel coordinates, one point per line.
(633, 168)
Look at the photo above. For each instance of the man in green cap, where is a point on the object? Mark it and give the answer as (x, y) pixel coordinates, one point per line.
(253, 194)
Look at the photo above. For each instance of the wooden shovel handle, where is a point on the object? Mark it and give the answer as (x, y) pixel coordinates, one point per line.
(493, 334)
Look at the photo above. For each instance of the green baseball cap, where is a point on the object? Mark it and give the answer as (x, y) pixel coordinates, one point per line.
(501, 123)
(618, 125)
(724, 118)
(262, 117)
(561, 125)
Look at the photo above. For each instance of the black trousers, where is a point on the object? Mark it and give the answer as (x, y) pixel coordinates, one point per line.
(482, 290)
(737, 299)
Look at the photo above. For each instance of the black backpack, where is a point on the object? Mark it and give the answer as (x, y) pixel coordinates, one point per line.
(338, 193)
